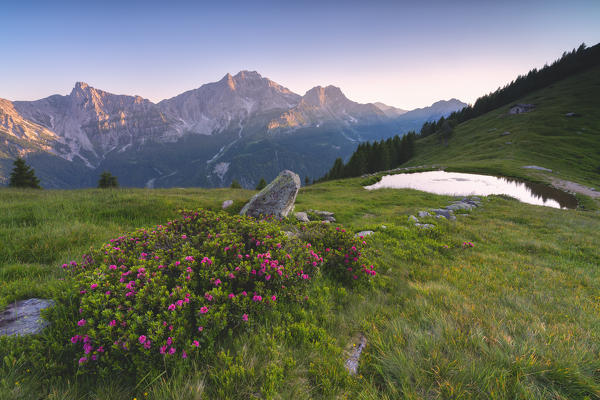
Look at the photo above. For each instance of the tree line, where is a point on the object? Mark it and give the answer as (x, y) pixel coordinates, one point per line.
(372, 157)
(570, 63)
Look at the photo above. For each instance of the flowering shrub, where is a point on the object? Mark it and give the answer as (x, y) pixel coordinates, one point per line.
(157, 297)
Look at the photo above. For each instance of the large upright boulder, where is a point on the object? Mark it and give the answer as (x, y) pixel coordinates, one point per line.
(276, 199)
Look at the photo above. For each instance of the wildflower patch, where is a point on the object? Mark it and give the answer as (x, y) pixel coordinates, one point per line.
(159, 297)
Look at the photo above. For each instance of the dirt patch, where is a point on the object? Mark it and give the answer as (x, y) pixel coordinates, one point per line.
(575, 187)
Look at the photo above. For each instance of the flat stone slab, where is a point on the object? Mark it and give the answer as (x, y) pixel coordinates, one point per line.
(537, 167)
(424, 214)
(24, 317)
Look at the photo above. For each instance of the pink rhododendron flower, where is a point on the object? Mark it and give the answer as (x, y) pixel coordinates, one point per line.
(112, 323)
(195, 343)
(142, 339)
(245, 317)
(203, 310)
(172, 350)
(81, 322)
(93, 286)
(200, 328)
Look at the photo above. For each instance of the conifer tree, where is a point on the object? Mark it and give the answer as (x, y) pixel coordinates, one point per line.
(107, 180)
(235, 184)
(261, 185)
(23, 176)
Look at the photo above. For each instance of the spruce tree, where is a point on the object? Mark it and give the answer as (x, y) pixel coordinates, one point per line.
(235, 184)
(107, 180)
(261, 185)
(23, 176)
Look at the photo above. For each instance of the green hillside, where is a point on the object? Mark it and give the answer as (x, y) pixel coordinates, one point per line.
(545, 137)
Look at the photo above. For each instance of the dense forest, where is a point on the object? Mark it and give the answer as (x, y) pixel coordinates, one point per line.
(570, 63)
(372, 157)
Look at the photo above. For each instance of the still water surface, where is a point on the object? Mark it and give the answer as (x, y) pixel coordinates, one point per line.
(459, 184)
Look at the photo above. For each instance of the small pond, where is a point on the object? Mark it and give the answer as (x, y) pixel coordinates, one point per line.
(459, 184)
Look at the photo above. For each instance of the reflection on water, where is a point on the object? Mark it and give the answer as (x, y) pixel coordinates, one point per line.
(459, 184)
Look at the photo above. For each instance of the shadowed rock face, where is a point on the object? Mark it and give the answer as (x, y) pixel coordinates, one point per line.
(276, 199)
(23, 317)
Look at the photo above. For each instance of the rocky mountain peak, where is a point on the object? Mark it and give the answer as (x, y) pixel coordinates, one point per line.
(320, 96)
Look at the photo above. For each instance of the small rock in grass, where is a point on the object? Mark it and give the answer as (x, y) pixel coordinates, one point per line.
(425, 226)
(443, 212)
(226, 204)
(364, 234)
(302, 216)
(505, 133)
(424, 214)
(412, 218)
(24, 317)
(352, 361)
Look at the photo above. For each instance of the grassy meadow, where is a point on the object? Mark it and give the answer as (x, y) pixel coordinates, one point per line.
(517, 316)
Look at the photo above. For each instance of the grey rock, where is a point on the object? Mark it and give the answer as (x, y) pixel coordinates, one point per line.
(425, 226)
(460, 206)
(442, 212)
(383, 227)
(352, 361)
(364, 233)
(23, 317)
(424, 214)
(505, 133)
(276, 199)
(302, 216)
(571, 114)
(323, 215)
(508, 143)
(521, 108)
(414, 219)
(226, 204)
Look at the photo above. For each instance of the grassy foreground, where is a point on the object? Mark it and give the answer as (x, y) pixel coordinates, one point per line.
(516, 316)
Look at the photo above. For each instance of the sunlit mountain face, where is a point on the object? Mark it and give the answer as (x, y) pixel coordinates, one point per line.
(244, 127)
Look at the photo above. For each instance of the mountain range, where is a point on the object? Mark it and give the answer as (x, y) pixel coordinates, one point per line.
(242, 127)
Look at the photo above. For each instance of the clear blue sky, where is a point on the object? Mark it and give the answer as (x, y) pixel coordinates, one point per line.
(406, 54)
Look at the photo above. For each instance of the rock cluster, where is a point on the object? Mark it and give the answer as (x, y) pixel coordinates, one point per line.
(315, 215)
(447, 212)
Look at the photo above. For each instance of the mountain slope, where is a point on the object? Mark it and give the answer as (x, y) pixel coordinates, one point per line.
(503, 143)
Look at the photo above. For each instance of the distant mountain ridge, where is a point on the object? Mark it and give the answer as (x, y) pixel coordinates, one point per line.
(242, 127)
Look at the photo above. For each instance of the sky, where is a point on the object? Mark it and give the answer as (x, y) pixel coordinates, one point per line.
(404, 54)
